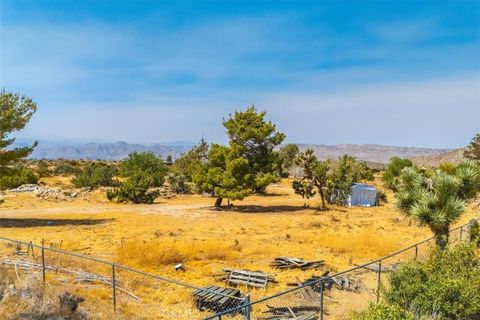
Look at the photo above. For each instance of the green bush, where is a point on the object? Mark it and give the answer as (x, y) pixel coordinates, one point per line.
(178, 183)
(17, 176)
(383, 311)
(447, 285)
(95, 175)
(392, 172)
(134, 190)
(43, 170)
(146, 164)
(66, 169)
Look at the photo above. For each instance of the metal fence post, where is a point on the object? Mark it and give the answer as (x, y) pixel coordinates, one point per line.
(43, 263)
(416, 251)
(321, 299)
(247, 307)
(114, 291)
(461, 232)
(379, 280)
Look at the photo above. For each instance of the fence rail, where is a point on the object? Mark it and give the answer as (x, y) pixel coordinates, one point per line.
(115, 291)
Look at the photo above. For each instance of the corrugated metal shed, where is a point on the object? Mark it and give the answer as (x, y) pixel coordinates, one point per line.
(363, 195)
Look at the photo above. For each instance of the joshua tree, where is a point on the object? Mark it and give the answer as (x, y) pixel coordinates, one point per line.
(438, 200)
(315, 176)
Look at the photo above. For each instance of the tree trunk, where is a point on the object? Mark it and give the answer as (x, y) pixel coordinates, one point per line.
(322, 197)
(218, 202)
(441, 237)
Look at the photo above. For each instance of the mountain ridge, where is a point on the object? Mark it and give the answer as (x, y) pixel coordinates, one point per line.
(118, 150)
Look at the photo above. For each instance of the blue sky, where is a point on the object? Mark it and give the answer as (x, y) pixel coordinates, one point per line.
(397, 73)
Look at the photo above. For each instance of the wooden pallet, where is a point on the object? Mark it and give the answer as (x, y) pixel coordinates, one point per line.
(217, 299)
(291, 313)
(296, 263)
(248, 278)
(339, 282)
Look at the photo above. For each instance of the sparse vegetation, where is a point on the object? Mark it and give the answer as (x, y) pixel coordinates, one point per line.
(66, 169)
(17, 176)
(95, 175)
(43, 170)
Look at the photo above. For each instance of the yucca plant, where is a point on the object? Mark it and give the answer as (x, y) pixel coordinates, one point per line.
(438, 199)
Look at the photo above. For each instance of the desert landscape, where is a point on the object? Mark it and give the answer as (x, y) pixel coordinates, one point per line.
(244, 160)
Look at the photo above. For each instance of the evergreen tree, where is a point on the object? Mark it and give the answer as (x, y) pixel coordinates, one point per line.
(15, 113)
(146, 164)
(473, 150)
(224, 175)
(249, 164)
(254, 139)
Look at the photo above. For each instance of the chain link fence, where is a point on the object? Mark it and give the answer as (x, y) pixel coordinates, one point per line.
(337, 296)
(34, 278)
(41, 276)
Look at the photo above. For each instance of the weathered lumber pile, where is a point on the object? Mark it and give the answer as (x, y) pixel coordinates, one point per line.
(291, 313)
(295, 263)
(248, 278)
(217, 299)
(339, 282)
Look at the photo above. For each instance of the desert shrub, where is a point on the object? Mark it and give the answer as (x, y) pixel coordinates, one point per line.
(66, 169)
(448, 168)
(17, 176)
(43, 170)
(178, 183)
(95, 175)
(134, 190)
(148, 165)
(392, 172)
(383, 311)
(446, 285)
(382, 196)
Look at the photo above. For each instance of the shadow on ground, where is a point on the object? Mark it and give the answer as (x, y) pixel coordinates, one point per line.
(264, 209)
(29, 223)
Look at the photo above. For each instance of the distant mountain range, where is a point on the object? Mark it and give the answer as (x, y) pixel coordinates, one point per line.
(454, 156)
(119, 150)
(102, 151)
(370, 152)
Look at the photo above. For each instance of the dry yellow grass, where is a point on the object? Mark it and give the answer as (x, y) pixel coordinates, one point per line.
(185, 229)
